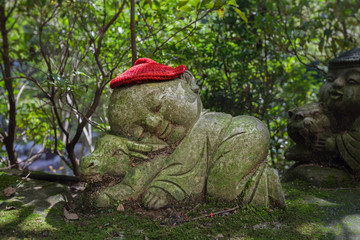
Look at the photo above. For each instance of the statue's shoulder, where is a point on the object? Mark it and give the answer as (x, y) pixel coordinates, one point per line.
(216, 117)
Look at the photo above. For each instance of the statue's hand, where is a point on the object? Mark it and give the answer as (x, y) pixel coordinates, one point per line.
(155, 198)
(325, 143)
(138, 150)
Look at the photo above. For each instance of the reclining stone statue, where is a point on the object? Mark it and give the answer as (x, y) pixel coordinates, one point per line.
(328, 132)
(163, 147)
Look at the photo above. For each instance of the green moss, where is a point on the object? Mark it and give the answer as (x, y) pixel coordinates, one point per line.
(8, 181)
(302, 219)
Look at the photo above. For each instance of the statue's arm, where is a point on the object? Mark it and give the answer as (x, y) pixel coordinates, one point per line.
(325, 143)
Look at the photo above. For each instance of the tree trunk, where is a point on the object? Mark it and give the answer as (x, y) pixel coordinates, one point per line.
(74, 161)
(9, 138)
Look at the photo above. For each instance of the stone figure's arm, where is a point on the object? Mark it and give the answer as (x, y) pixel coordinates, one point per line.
(348, 145)
(325, 143)
(138, 176)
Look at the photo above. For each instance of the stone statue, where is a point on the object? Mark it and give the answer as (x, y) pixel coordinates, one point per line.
(163, 147)
(328, 132)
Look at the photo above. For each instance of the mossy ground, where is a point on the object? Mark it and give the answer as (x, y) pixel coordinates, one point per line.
(311, 213)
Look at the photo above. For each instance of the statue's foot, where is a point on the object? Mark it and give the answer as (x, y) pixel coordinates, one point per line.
(155, 198)
(265, 189)
(119, 192)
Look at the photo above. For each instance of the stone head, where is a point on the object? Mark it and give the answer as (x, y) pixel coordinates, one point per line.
(155, 112)
(307, 122)
(341, 92)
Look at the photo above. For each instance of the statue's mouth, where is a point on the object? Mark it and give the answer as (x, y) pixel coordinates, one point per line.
(336, 95)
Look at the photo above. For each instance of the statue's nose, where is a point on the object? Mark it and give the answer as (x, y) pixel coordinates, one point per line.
(308, 122)
(88, 166)
(339, 82)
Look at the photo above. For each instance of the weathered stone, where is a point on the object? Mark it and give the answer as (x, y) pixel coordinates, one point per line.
(319, 176)
(165, 147)
(328, 132)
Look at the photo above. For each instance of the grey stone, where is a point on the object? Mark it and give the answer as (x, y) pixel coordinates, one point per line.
(164, 147)
(320, 176)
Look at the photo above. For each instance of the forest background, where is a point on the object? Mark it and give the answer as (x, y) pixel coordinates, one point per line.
(250, 57)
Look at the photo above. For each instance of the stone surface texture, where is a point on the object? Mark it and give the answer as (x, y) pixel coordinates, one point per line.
(164, 147)
(327, 133)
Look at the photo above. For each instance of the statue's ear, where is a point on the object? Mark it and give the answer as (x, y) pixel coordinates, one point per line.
(189, 78)
(291, 113)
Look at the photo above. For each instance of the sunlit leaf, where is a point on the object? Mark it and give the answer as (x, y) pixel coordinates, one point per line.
(182, 3)
(186, 8)
(241, 14)
(232, 2)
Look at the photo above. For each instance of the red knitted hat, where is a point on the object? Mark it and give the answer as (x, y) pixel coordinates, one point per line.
(147, 70)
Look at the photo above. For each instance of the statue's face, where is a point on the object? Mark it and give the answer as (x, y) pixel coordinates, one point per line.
(148, 112)
(343, 90)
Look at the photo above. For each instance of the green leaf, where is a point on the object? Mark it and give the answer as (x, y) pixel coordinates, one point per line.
(208, 3)
(241, 14)
(219, 4)
(58, 78)
(149, 2)
(196, 4)
(232, 2)
(182, 3)
(186, 9)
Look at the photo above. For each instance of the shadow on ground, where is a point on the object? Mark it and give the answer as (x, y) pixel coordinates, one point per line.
(36, 211)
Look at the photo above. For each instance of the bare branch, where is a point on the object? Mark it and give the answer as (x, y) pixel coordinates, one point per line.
(12, 26)
(11, 10)
(20, 92)
(293, 45)
(65, 55)
(147, 25)
(101, 36)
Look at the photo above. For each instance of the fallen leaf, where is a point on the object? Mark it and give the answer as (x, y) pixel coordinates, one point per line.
(70, 216)
(120, 208)
(9, 191)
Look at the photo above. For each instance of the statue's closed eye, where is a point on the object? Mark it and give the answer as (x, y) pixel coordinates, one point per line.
(330, 78)
(299, 116)
(353, 81)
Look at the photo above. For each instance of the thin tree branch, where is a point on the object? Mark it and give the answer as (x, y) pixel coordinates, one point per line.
(101, 37)
(182, 29)
(133, 32)
(11, 11)
(293, 46)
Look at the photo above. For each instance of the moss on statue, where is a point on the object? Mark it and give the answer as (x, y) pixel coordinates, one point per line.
(167, 148)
